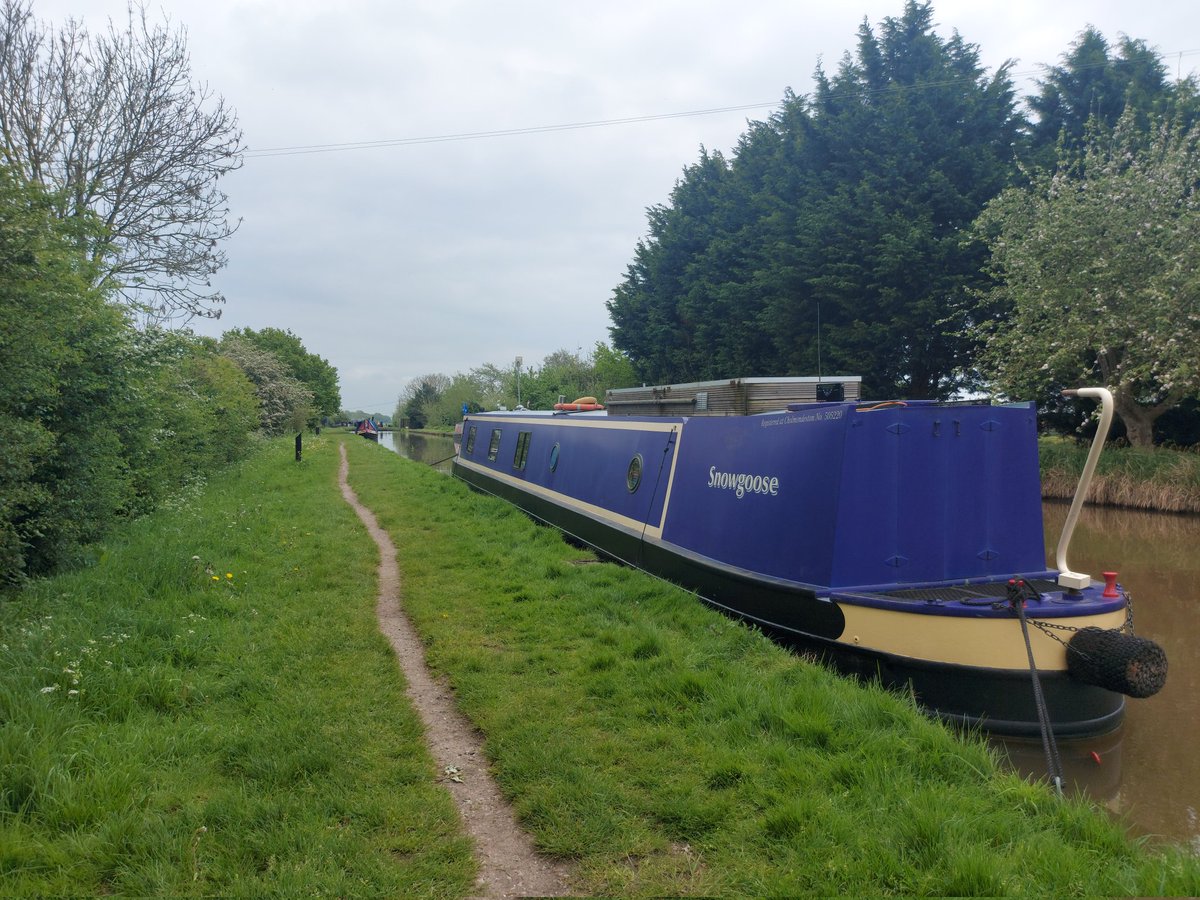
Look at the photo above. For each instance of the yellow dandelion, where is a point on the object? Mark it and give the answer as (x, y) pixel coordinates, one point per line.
(228, 574)
(216, 578)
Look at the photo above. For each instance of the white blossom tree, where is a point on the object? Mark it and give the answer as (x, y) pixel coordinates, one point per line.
(284, 403)
(1099, 263)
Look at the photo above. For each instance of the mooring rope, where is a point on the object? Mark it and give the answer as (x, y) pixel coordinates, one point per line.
(658, 480)
(1017, 595)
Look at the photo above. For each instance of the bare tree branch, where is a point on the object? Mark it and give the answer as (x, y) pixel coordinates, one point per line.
(116, 124)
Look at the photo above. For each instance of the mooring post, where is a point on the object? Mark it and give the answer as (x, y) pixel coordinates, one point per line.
(299, 442)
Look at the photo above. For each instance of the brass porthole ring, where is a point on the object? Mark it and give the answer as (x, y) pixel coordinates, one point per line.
(633, 475)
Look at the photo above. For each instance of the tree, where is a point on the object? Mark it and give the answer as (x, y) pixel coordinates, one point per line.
(562, 374)
(285, 403)
(115, 125)
(61, 476)
(497, 385)
(659, 306)
(313, 371)
(419, 396)
(912, 138)
(99, 420)
(848, 210)
(1093, 87)
(447, 409)
(196, 411)
(1100, 263)
(613, 369)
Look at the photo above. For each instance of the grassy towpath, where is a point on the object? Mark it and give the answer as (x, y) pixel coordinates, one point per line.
(670, 751)
(509, 866)
(211, 710)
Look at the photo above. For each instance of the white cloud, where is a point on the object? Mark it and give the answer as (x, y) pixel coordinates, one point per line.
(397, 262)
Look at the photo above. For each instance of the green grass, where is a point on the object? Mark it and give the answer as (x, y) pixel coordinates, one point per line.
(166, 729)
(1156, 478)
(250, 735)
(672, 751)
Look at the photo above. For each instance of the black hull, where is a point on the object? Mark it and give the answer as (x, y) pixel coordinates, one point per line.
(996, 700)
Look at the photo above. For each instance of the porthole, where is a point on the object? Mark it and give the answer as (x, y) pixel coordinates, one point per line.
(633, 475)
(554, 457)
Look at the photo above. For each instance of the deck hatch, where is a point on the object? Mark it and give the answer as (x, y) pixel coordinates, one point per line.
(993, 590)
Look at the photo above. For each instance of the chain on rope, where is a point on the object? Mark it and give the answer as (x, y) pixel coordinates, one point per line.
(1019, 591)
(1048, 628)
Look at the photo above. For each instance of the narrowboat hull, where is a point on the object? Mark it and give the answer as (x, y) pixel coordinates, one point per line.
(881, 541)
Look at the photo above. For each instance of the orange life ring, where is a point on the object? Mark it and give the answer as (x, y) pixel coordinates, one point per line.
(582, 404)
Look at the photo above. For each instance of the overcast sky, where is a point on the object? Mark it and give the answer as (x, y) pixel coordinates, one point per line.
(441, 255)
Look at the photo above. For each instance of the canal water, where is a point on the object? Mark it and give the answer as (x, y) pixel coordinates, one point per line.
(432, 449)
(1148, 771)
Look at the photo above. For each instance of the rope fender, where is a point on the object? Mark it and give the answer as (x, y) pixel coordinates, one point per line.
(1125, 663)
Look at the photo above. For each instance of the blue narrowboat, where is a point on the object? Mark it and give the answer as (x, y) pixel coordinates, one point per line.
(901, 541)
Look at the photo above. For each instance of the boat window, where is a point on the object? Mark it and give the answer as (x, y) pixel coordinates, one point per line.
(471, 439)
(633, 475)
(554, 457)
(494, 445)
(834, 392)
(522, 454)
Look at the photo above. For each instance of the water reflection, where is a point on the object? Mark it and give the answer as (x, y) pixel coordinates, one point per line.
(432, 449)
(1147, 772)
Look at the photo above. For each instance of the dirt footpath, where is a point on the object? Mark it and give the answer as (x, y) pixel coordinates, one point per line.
(508, 864)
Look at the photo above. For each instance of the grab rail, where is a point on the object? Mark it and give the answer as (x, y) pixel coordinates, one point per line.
(1067, 578)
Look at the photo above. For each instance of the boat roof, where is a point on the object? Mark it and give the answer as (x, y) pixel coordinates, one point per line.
(732, 396)
(730, 382)
(541, 413)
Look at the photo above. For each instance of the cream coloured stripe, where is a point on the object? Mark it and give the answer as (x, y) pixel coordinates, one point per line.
(988, 643)
(657, 532)
(570, 422)
(589, 509)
